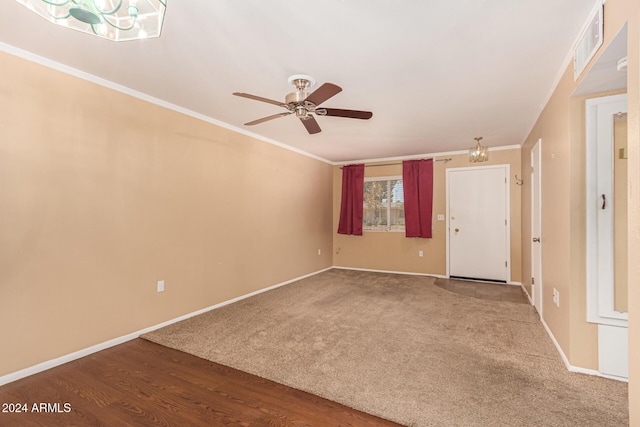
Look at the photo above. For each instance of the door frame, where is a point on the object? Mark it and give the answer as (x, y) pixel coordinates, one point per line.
(599, 242)
(536, 249)
(507, 169)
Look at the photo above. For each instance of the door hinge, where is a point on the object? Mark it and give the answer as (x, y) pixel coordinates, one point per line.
(533, 281)
(505, 263)
(505, 221)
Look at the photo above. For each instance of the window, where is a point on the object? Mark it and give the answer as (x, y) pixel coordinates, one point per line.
(383, 204)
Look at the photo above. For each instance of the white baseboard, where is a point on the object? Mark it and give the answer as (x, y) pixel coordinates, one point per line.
(527, 294)
(14, 376)
(440, 276)
(576, 369)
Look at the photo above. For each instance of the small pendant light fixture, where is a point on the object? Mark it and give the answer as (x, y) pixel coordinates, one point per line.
(117, 20)
(479, 153)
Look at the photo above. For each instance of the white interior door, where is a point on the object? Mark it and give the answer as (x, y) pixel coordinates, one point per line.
(536, 228)
(477, 211)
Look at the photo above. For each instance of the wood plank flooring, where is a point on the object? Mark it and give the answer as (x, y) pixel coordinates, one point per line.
(140, 383)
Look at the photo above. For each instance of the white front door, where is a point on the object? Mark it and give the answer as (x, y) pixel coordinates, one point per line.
(536, 228)
(477, 211)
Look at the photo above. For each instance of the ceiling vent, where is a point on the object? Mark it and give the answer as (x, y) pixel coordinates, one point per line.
(589, 41)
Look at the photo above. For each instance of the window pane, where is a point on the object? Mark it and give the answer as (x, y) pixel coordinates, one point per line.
(383, 200)
(375, 214)
(397, 206)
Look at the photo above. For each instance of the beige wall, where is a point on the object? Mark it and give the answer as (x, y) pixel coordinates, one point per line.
(102, 195)
(561, 128)
(393, 251)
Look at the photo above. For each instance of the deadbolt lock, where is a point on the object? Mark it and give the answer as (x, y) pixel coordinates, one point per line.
(536, 240)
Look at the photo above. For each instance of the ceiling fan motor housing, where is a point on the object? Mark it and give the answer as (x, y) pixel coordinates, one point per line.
(296, 100)
(296, 97)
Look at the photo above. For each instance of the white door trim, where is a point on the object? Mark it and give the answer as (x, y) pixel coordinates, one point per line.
(536, 172)
(507, 169)
(599, 253)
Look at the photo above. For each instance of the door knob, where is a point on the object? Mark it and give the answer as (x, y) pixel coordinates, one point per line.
(456, 230)
(536, 240)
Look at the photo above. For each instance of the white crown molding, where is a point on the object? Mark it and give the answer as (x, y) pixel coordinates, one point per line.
(425, 155)
(12, 50)
(29, 56)
(563, 68)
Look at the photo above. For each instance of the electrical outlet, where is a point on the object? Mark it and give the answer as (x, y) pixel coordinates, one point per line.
(319, 251)
(440, 217)
(420, 253)
(160, 287)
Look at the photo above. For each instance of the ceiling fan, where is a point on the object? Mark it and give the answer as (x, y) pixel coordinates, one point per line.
(304, 104)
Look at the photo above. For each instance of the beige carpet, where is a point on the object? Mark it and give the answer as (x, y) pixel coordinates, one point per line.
(401, 348)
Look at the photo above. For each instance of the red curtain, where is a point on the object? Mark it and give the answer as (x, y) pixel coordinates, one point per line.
(352, 198)
(417, 181)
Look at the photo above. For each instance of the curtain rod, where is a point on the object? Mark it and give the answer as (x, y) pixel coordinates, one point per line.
(399, 163)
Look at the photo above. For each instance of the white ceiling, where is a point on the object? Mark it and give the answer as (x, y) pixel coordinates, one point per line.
(435, 73)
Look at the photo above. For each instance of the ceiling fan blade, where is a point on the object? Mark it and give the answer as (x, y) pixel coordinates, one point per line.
(351, 114)
(259, 98)
(265, 119)
(323, 93)
(310, 123)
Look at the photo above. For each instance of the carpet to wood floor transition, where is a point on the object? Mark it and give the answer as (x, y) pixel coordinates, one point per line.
(403, 349)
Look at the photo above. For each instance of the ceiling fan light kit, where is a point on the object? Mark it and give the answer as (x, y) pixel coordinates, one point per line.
(117, 20)
(305, 105)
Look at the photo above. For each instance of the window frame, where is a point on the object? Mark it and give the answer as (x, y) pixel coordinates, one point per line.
(388, 180)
